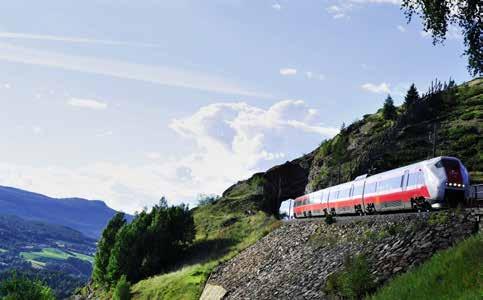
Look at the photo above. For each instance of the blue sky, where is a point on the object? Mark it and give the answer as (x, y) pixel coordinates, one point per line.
(126, 101)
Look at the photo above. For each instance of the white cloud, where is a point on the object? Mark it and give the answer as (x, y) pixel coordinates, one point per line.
(343, 7)
(105, 133)
(339, 11)
(401, 28)
(376, 88)
(87, 103)
(277, 6)
(232, 141)
(395, 2)
(167, 76)
(37, 130)
(7, 85)
(288, 71)
(153, 155)
(312, 75)
(56, 38)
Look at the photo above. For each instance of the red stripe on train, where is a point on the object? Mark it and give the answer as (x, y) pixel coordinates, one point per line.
(404, 196)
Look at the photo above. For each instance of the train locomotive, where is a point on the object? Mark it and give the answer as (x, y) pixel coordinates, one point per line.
(430, 184)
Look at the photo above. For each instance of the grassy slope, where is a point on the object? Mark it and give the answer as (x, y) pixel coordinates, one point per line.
(51, 253)
(455, 273)
(222, 232)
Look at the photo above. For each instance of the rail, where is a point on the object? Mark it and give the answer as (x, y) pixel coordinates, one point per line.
(477, 190)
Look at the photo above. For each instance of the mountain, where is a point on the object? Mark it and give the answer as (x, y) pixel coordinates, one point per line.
(86, 216)
(59, 255)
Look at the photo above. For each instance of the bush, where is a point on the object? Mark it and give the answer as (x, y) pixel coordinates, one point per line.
(329, 219)
(122, 290)
(438, 218)
(353, 282)
(21, 288)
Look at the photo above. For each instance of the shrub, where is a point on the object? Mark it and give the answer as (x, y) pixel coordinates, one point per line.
(122, 290)
(353, 282)
(329, 219)
(19, 288)
(439, 218)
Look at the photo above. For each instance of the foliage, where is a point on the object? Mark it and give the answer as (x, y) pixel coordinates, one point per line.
(18, 287)
(207, 199)
(104, 248)
(439, 15)
(354, 281)
(151, 243)
(389, 111)
(451, 274)
(329, 219)
(122, 290)
(438, 218)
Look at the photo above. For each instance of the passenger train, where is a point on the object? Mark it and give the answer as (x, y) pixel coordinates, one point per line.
(433, 183)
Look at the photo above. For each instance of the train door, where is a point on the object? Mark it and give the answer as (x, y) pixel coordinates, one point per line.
(362, 197)
(404, 185)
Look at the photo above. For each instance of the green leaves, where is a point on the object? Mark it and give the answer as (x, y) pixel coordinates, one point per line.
(21, 288)
(150, 244)
(437, 17)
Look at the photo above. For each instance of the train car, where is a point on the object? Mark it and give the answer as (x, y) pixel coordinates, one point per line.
(433, 183)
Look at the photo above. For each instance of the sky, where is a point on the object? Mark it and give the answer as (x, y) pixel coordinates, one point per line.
(129, 101)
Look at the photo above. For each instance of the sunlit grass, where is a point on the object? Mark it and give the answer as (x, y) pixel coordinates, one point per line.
(456, 273)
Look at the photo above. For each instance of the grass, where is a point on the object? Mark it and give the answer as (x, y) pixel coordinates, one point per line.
(186, 283)
(52, 253)
(456, 273)
(215, 243)
(353, 282)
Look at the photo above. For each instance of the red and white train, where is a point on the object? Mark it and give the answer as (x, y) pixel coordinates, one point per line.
(436, 183)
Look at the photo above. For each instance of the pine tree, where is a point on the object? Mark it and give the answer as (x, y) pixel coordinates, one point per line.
(104, 248)
(412, 96)
(389, 110)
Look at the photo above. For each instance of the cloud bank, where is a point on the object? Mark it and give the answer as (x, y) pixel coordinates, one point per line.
(231, 142)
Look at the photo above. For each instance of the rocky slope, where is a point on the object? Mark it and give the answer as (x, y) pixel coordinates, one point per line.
(295, 261)
(374, 144)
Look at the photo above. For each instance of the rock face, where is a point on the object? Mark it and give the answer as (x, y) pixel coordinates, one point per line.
(268, 189)
(294, 261)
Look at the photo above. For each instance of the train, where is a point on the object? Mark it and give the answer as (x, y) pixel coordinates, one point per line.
(430, 184)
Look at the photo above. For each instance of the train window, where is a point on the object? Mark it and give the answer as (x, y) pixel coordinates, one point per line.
(344, 193)
(420, 178)
(357, 190)
(413, 179)
(333, 195)
(439, 164)
(371, 187)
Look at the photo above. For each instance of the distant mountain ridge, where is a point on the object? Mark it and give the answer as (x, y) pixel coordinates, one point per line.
(87, 216)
